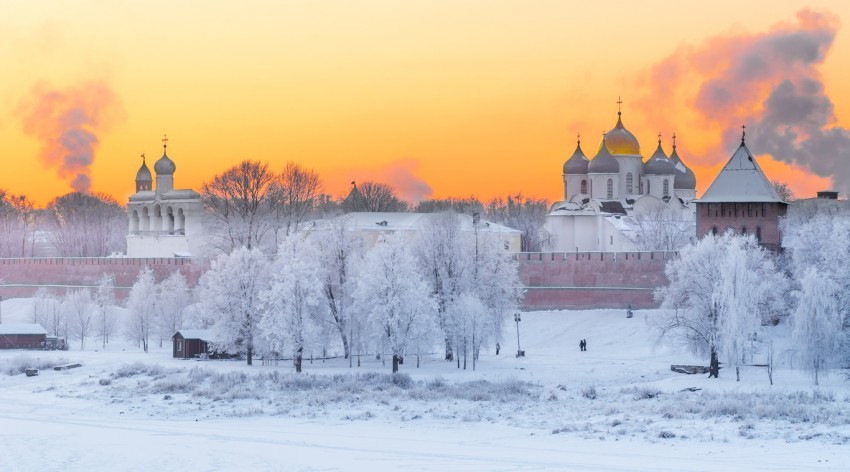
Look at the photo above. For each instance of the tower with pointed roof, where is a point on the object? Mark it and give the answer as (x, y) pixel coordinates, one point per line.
(742, 200)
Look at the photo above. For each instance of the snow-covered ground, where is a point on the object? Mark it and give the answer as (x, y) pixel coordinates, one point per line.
(615, 407)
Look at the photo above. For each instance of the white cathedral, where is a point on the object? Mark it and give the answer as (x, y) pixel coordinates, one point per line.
(164, 221)
(609, 200)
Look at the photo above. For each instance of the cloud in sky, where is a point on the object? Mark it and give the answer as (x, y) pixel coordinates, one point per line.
(399, 174)
(67, 123)
(771, 82)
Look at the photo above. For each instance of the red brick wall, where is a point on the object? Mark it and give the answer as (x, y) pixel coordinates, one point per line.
(591, 280)
(22, 277)
(552, 280)
(740, 215)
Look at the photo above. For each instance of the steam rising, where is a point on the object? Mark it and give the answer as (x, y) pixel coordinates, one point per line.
(66, 123)
(771, 82)
(399, 175)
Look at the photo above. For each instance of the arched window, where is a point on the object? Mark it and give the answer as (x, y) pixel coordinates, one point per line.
(583, 187)
(647, 187)
(134, 222)
(629, 186)
(612, 240)
(145, 224)
(181, 222)
(714, 230)
(156, 224)
(169, 220)
(666, 187)
(610, 188)
(744, 230)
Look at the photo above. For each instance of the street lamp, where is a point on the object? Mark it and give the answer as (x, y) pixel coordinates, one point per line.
(517, 319)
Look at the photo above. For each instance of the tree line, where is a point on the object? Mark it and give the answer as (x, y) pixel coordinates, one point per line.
(325, 289)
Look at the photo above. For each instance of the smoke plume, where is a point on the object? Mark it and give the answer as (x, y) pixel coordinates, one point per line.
(399, 175)
(66, 123)
(771, 82)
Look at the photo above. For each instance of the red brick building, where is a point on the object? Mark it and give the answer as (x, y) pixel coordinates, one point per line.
(742, 200)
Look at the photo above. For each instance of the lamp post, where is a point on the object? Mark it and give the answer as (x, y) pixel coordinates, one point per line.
(517, 319)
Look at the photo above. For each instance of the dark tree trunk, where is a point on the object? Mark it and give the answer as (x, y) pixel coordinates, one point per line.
(395, 363)
(297, 360)
(250, 356)
(714, 365)
(449, 353)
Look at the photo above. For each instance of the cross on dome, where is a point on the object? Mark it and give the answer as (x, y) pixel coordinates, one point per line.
(743, 133)
(164, 141)
(674, 140)
(619, 106)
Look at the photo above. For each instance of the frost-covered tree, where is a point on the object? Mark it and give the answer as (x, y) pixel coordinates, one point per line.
(142, 307)
(394, 297)
(292, 302)
(104, 299)
(341, 254)
(456, 262)
(525, 214)
(472, 325)
(818, 323)
(79, 309)
(660, 228)
(173, 296)
(446, 262)
(712, 286)
(230, 292)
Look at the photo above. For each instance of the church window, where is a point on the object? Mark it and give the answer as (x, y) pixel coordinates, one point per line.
(666, 187)
(647, 187)
(583, 187)
(610, 188)
(612, 240)
(629, 184)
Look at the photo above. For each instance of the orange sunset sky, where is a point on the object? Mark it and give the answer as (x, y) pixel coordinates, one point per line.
(437, 98)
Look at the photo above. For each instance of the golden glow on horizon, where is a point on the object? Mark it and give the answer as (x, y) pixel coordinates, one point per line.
(480, 97)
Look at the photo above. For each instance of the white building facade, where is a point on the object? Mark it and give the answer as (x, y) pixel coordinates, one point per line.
(163, 221)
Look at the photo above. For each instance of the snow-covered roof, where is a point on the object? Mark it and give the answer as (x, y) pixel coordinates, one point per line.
(400, 221)
(740, 180)
(202, 334)
(21, 328)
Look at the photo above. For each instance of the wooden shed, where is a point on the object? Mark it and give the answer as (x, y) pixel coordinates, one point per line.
(22, 336)
(189, 343)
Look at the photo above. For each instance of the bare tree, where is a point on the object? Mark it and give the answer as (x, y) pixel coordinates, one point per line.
(783, 190)
(524, 214)
(79, 308)
(466, 206)
(174, 296)
(86, 225)
(373, 197)
(17, 221)
(660, 228)
(238, 203)
(104, 298)
(142, 304)
(294, 195)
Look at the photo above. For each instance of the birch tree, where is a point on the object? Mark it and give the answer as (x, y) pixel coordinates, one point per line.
(104, 299)
(394, 297)
(79, 309)
(818, 332)
(142, 305)
(292, 301)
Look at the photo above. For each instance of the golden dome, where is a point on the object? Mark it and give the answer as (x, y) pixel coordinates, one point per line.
(620, 141)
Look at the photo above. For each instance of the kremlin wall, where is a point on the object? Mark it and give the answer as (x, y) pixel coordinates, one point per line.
(552, 280)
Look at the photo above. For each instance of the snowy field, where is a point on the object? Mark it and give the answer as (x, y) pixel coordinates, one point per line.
(615, 407)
